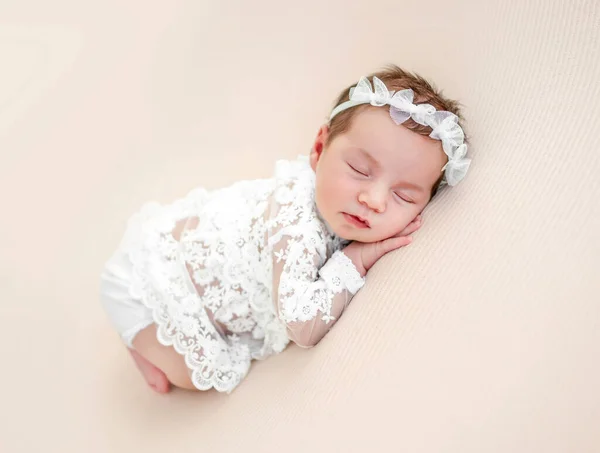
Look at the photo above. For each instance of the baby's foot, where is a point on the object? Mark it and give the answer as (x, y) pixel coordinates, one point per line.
(155, 378)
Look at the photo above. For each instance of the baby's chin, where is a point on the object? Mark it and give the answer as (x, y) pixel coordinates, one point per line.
(365, 237)
(368, 240)
(349, 233)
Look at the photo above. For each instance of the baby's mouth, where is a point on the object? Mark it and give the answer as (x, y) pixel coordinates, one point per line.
(359, 222)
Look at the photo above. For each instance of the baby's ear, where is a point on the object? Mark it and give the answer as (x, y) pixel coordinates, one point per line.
(318, 146)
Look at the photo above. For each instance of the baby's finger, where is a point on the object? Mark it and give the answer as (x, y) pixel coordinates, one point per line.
(376, 250)
(411, 227)
(395, 243)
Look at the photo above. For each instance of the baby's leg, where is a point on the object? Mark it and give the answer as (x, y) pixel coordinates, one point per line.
(159, 364)
(156, 379)
(162, 365)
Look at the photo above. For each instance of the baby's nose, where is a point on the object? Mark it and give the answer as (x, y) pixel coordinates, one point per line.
(374, 199)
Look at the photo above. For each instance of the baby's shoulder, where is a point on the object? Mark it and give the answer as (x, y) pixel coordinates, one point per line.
(295, 170)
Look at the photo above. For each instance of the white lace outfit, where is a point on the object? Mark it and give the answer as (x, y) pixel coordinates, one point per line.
(231, 275)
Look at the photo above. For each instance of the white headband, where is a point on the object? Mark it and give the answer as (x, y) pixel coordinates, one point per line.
(444, 124)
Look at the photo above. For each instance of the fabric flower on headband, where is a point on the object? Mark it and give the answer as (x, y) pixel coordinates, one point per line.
(444, 124)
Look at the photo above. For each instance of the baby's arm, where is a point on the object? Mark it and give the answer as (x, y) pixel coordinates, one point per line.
(308, 299)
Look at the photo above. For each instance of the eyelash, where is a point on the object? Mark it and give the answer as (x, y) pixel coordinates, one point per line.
(358, 171)
(403, 199)
(395, 194)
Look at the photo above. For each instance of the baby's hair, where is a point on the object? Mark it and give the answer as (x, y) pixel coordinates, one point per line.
(397, 79)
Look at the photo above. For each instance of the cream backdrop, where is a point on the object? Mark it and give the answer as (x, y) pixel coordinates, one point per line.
(483, 336)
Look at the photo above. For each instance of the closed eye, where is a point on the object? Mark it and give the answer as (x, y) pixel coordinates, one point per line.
(358, 171)
(403, 198)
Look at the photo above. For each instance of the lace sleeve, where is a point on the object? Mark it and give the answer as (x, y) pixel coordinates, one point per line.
(308, 299)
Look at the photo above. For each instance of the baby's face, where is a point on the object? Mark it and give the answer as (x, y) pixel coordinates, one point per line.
(374, 179)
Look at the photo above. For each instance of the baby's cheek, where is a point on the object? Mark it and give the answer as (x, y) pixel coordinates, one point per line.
(401, 225)
(397, 231)
(385, 231)
(345, 187)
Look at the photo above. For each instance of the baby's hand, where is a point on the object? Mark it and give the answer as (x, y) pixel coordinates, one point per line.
(365, 255)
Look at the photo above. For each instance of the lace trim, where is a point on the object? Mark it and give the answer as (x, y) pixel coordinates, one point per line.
(213, 362)
(340, 273)
(221, 358)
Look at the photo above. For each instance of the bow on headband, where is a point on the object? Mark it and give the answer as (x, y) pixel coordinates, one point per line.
(444, 124)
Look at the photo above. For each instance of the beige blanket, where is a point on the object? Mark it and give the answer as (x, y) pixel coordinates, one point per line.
(483, 336)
